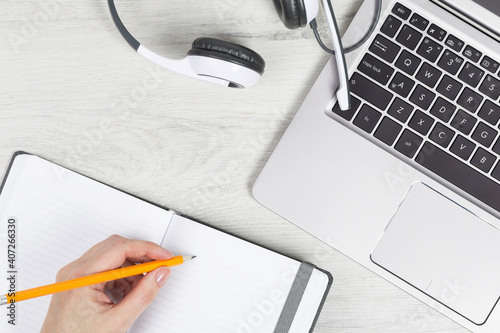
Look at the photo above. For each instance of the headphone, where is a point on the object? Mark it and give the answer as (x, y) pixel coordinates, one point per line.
(232, 65)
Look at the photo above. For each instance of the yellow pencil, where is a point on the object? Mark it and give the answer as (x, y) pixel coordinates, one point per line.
(116, 274)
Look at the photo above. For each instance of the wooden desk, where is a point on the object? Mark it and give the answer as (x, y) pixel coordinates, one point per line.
(74, 92)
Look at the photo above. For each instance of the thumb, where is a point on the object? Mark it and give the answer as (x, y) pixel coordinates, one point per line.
(143, 294)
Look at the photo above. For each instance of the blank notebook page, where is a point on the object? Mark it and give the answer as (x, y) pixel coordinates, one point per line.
(231, 286)
(60, 216)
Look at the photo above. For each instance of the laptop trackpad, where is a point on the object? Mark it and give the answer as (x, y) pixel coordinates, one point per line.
(445, 251)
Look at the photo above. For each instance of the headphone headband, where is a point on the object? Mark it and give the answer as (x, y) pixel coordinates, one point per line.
(118, 22)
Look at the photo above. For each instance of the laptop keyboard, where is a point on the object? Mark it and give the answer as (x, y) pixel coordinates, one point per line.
(432, 98)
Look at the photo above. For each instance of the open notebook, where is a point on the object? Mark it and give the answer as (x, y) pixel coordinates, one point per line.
(231, 286)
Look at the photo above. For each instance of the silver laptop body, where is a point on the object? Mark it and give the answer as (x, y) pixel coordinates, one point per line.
(416, 204)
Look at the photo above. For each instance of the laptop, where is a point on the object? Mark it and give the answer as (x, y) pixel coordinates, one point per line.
(407, 182)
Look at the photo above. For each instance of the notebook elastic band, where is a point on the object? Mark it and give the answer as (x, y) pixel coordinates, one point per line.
(294, 297)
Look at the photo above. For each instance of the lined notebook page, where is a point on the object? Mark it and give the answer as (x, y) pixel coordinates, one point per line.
(61, 215)
(231, 286)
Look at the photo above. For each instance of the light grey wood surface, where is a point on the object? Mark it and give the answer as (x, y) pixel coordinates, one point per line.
(72, 91)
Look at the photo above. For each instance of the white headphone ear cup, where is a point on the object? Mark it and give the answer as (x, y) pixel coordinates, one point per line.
(231, 52)
(236, 75)
(240, 66)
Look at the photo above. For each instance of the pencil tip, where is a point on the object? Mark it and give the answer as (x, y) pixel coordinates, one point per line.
(187, 258)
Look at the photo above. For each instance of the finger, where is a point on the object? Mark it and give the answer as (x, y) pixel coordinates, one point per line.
(116, 252)
(141, 296)
(139, 260)
(90, 253)
(99, 247)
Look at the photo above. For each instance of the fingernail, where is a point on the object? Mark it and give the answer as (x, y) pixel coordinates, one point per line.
(162, 276)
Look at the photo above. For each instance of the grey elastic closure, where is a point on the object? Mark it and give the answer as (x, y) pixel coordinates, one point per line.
(294, 297)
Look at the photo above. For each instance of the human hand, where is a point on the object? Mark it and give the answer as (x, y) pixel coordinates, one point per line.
(93, 308)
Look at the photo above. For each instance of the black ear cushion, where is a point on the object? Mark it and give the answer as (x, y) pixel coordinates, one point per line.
(291, 12)
(219, 49)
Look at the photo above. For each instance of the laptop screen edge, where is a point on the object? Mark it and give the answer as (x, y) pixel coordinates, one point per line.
(475, 14)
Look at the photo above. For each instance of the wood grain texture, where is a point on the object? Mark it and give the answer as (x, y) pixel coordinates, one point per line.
(74, 92)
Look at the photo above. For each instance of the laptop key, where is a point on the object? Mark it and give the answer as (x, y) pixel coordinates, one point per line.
(454, 43)
(463, 121)
(437, 32)
(490, 112)
(422, 97)
(408, 143)
(484, 134)
(419, 22)
(384, 48)
(472, 53)
(390, 26)
(462, 147)
(421, 122)
(443, 109)
(441, 135)
(450, 62)
(401, 11)
(388, 131)
(471, 75)
(470, 100)
(459, 174)
(483, 160)
(401, 84)
(490, 64)
(449, 87)
(428, 75)
(496, 147)
(409, 37)
(429, 49)
(375, 69)
(367, 118)
(407, 62)
(369, 91)
(490, 87)
(400, 110)
(347, 114)
(496, 172)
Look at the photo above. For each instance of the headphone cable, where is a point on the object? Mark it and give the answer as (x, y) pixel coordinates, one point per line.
(314, 27)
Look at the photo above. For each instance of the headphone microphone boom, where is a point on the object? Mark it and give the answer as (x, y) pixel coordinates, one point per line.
(232, 65)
